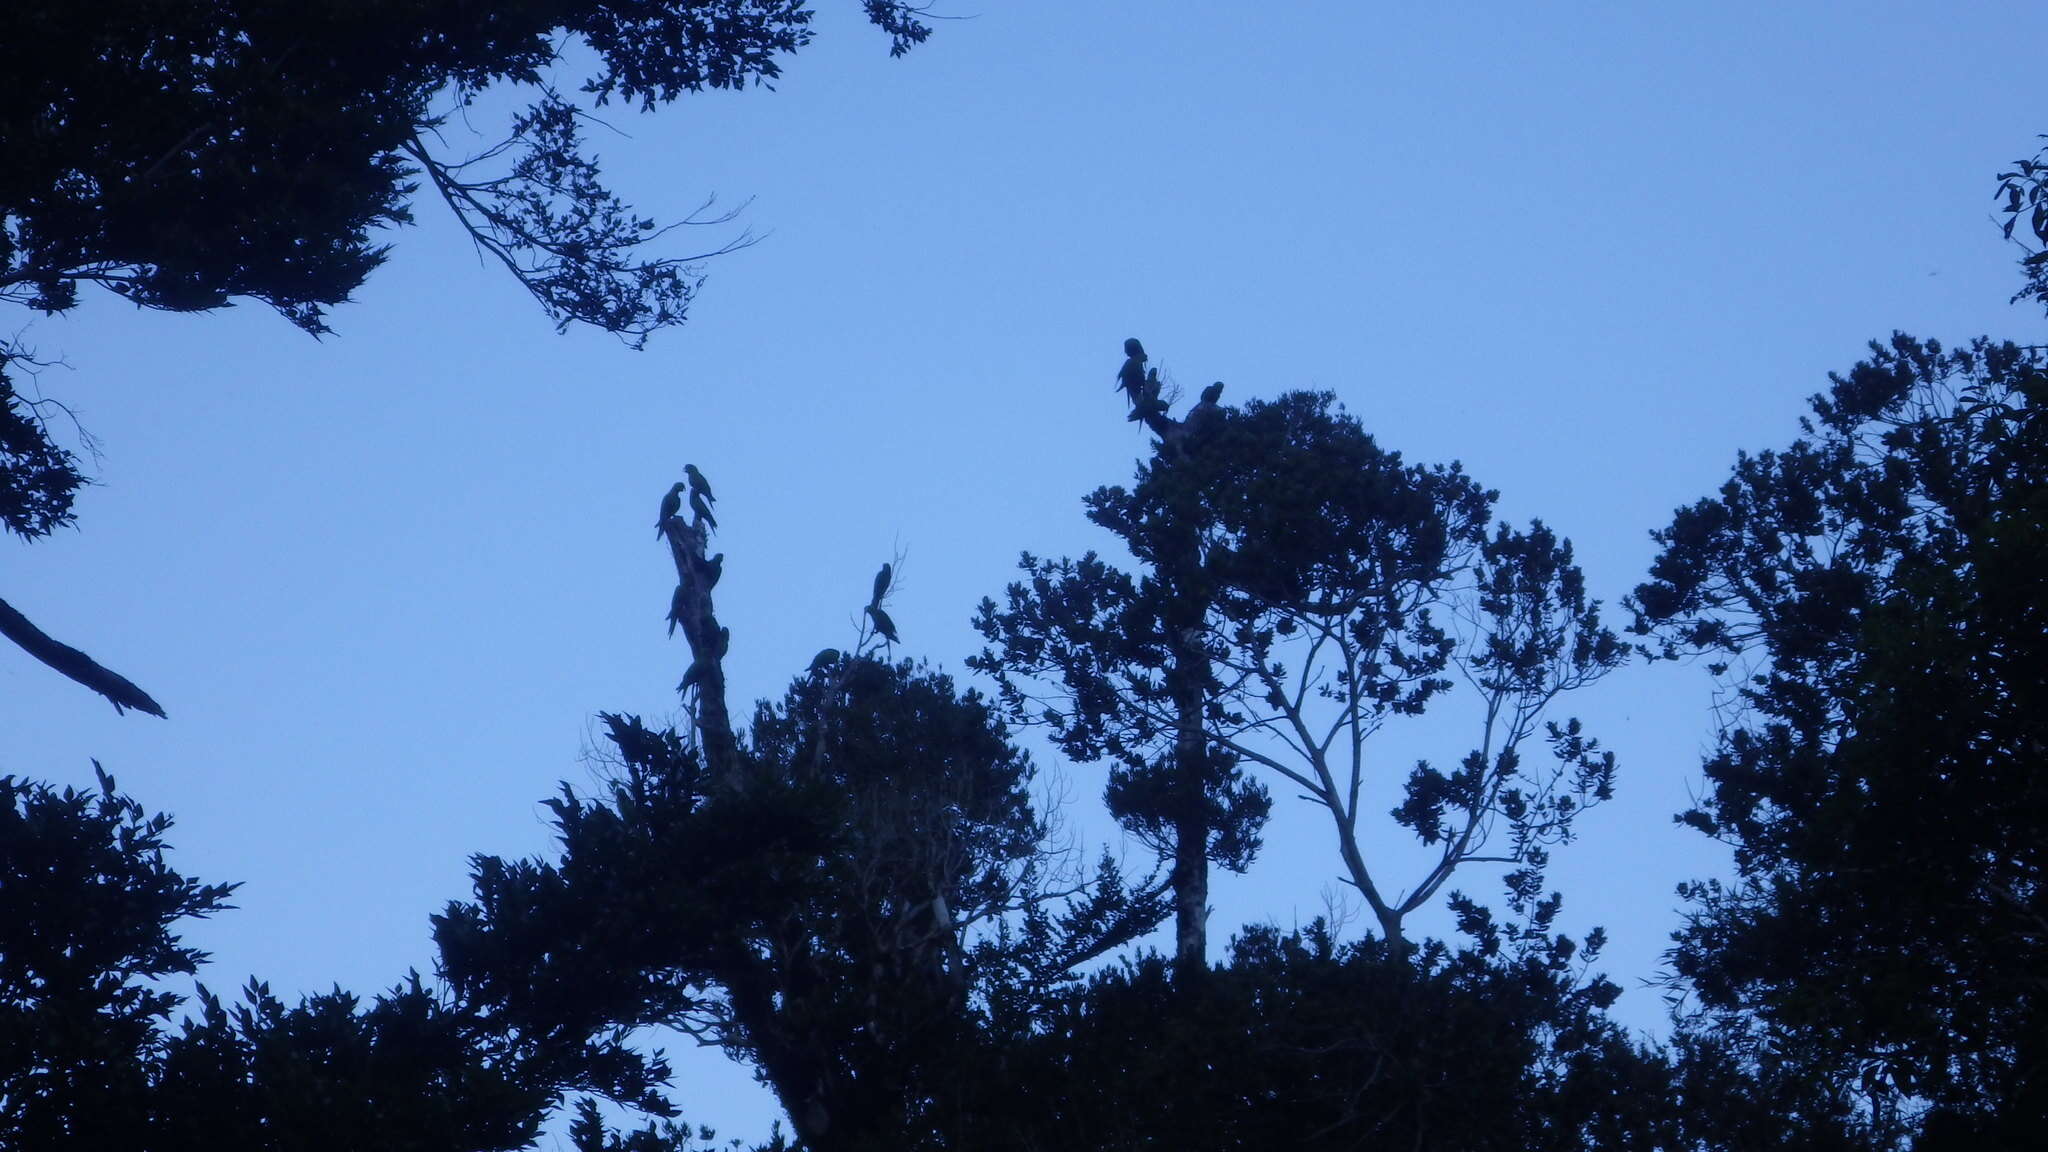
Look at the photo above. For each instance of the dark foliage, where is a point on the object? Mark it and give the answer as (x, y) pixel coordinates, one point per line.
(38, 477)
(1876, 591)
(185, 155)
(2024, 190)
(856, 911)
(87, 906)
(89, 911)
(1297, 1042)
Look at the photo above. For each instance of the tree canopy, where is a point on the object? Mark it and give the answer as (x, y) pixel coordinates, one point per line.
(186, 156)
(1298, 586)
(1873, 594)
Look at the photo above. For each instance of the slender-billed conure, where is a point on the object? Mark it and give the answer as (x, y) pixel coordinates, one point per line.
(724, 642)
(677, 604)
(713, 569)
(1212, 393)
(883, 624)
(881, 585)
(698, 484)
(824, 660)
(1131, 377)
(670, 505)
(701, 510)
(692, 676)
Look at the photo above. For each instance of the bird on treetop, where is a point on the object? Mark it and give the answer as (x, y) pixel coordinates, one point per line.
(1131, 377)
(698, 484)
(881, 585)
(824, 659)
(671, 504)
(883, 625)
(1212, 393)
(701, 510)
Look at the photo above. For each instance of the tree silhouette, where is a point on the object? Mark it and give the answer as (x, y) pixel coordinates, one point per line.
(1297, 587)
(1872, 595)
(857, 898)
(90, 912)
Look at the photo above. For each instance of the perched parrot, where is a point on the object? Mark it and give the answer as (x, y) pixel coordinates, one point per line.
(1131, 377)
(677, 603)
(670, 505)
(698, 484)
(881, 585)
(883, 624)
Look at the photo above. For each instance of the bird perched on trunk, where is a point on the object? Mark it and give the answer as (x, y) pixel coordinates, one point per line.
(670, 505)
(881, 586)
(701, 510)
(678, 603)
(1131, 377)
(710, 570)
(699, 485)
(883, 625)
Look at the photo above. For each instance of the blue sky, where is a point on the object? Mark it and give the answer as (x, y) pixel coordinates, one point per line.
(383, 582)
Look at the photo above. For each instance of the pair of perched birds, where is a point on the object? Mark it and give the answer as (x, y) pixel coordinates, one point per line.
(701, 500)
(883, 625)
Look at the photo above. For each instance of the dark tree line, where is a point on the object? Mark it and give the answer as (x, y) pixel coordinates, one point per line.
(853, 889)
(854, 892)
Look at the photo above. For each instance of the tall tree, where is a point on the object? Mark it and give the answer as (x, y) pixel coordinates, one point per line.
(1872, 597)
(1298, 586)
(854, 895)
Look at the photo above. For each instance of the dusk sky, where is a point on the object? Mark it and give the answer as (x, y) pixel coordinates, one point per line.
(382, 583)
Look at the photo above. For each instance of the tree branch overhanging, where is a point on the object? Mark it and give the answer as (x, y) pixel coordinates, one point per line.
(118, 689)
